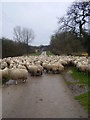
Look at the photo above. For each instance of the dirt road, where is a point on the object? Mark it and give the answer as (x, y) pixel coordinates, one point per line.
(41, 97)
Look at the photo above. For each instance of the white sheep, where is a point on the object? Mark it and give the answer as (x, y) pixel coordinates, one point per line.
(4, 75)
(3, 64)
(35, 70)
(18, 74)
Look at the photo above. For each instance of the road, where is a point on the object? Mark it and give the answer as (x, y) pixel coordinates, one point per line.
(43, 53)
(40, 97)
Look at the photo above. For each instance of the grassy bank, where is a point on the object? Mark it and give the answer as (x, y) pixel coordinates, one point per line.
(81, 76)
(83, 99)
(82, 79)
(36, 54)
(49, 53)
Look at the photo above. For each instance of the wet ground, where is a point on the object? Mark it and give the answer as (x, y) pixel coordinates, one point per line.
(41, 97)
(76, 87)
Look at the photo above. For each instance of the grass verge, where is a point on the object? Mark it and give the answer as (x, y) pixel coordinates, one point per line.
(49, 53)
(84, 79)
(35, 54)
(81, 76)
(83, 99)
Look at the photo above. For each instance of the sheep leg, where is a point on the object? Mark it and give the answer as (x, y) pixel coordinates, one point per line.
(16, 82)
(41, 73)
(24, 81)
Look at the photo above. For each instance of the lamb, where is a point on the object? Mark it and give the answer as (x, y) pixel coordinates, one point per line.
(17, 74)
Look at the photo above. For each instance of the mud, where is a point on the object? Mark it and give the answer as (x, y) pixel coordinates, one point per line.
(76, 88)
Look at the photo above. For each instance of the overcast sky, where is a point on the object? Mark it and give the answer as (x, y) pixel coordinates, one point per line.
(40, 16)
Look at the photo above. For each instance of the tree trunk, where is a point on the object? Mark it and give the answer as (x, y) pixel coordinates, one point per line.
(80, 28)
(27, 44)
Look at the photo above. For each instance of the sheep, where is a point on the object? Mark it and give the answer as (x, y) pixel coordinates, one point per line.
(83, 68)
(21, 67)
(4, 75)
(36, 64)
(48, 67)
(3, 65)
(35, 70)
(40, 69)
(57, 68)
(18, 74)
(61, 67)
(53, 67)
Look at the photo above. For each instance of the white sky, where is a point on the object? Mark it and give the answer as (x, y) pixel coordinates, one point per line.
(40, 16)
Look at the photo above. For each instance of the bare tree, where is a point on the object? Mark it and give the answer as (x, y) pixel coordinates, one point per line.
(18, 34)
(76, 17)
(27, 36)
(23, 35)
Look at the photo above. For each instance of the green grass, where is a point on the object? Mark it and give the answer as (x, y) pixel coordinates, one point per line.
(35, 54)
(82, 77)
(69, 83)
(83, 99)
(49, 53)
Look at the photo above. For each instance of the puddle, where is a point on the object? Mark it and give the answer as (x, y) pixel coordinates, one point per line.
(10, 82)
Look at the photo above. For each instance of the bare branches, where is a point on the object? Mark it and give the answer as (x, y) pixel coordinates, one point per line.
(76, 17)
(18, 34)
(24, 35)
(27, 35)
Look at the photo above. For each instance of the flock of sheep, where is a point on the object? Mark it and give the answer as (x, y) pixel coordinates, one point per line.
(18, 68)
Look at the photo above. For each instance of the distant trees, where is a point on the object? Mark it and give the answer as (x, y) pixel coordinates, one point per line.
(12, 48)
(65, 43)
(73, 29)
(23, 35)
